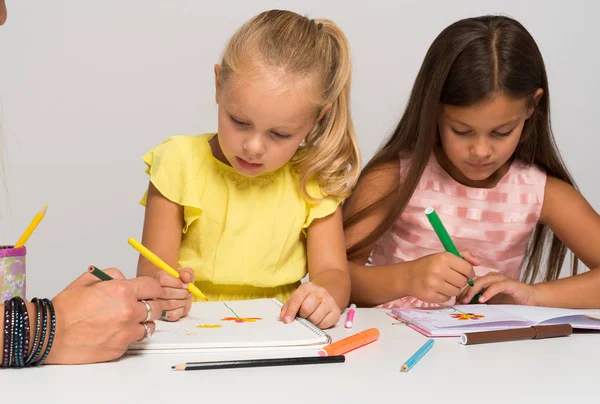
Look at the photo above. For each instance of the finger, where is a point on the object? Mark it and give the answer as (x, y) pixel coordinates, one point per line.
(173, 304)
(294, 304)
(283, 310)
(175, 294)
(318, 314)
(141, 330)
(174, 315)
(88, 279)
(169, 281)
(454, 278)
(470, 258)
(145, 287)
(310, 305)
(461, 266)
(462, 295)
(186, 275)
(479, 285)
(114, 273)
(506, 287)
(142, 311)
(469, 292)
(330, 320)
(188, 307)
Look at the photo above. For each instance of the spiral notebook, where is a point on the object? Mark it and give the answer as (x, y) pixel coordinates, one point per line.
(235, 325)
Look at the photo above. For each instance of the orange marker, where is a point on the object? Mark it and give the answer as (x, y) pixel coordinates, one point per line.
(352, 342)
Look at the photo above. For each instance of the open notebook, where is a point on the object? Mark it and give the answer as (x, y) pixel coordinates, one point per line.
(455, 320)
(236, 325)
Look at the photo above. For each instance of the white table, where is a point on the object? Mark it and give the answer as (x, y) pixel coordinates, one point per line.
(543, 371)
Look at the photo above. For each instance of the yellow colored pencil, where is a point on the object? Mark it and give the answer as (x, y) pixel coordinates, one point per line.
(31, 228)
(150, 256)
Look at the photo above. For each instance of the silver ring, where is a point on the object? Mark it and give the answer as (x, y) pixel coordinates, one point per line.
(148, 310)
(148, 332)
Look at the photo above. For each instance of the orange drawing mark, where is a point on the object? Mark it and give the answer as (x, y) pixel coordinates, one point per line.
(467, 316)
(242, 319)
(208, 326)
(190, 334)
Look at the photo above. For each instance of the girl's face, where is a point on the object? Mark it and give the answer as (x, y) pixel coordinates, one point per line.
(261, 122)
(478, 141)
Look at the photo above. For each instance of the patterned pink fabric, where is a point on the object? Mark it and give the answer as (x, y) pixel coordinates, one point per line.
(495, 224)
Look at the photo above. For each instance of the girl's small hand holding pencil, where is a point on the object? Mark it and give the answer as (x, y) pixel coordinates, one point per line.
(439, 277)
(446, 240)
(175, 299)
(177, 286)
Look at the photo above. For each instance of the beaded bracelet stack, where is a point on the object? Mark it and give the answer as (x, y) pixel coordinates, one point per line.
(16, 352)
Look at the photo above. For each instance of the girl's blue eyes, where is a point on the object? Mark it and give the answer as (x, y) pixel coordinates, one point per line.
(246, 124)
(499, 134)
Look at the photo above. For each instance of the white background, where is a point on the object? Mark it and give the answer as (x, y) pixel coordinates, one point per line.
(87, 87)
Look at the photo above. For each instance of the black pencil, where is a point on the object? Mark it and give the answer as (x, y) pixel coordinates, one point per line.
(251, 363)
(99, 273)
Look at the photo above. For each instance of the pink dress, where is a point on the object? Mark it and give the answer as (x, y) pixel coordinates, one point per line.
(495, 224)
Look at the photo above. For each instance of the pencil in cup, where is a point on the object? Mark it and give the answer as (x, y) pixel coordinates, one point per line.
(252, 363)
(31, 228)
(150, 256)
(350, 343)
(446, 241)
(103, 276)
(411, 362)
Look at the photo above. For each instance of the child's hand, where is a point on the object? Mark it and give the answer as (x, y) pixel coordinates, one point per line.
(314, 303)
(175, 300)
(499, 289)
(439, 277)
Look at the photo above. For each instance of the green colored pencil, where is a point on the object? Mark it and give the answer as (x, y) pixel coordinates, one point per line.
(99, 273)
(444, 237)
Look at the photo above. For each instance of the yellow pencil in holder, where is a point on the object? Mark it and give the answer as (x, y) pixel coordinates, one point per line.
(150, 256)
(31, 228)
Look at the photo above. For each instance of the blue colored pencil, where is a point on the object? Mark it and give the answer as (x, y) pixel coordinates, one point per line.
(417, 356)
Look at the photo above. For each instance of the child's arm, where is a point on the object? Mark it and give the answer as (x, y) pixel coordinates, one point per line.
(577, 225)
(372, 285)
(163, 222)
(321, 299)
(435, 278)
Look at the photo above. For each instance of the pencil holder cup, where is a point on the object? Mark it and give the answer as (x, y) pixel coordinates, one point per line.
(12, 272)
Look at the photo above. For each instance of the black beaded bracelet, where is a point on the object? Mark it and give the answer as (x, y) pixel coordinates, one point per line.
(18, 332)
(7, 334)
(52, 330)
(21, 331)
(17, 329)
(36, 338)
(42, 309)
(27, 331)
(12, 340)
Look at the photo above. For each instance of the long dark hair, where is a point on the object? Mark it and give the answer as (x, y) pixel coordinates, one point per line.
(469, 62)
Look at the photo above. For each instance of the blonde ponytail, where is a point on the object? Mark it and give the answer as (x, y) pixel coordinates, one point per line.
(307, 48)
